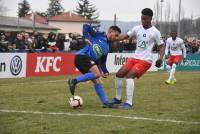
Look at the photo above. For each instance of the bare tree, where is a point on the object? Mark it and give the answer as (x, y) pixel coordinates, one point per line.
(188, 26)
(197, 27)
(157, 12)
(166, 27)
(3, 9)
(182, 13)
(168, 11)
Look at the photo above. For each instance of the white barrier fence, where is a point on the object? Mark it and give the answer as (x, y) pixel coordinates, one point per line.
(116, 60)
(12, 65)
(15, 65)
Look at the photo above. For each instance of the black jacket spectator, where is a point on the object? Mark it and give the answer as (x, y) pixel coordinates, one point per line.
(52, 42)
(42, 42)
(60, 42)
(19, 42)
(77, 44)
(3, 43)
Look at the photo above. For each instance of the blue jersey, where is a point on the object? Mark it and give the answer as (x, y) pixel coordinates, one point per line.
(99, 44)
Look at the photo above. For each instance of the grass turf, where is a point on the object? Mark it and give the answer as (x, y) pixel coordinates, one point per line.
(152, 99)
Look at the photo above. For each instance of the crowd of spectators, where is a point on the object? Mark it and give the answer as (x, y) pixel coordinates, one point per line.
(36, 42)
(51, 42)
(123, 46)
(193, 46)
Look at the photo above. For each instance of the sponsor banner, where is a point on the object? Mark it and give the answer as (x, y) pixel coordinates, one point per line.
(12, 65)
(50, 64)
(116, 60)
(192, 63)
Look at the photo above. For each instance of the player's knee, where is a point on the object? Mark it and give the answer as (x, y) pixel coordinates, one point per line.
(174, 65)
(168, 67)
(119, 75)
(98, 76)
(97, 81)
(131, 76)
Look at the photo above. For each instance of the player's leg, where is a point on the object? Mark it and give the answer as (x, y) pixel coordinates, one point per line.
(139, 68)
(101, 93)
(177, 60)
(97, 84)
(173, 62)
(172, 79)
(130, 87)
(169, 66)
(88, 69)
(129, 90)
(171, 75)
(119, 81)
(118, 87)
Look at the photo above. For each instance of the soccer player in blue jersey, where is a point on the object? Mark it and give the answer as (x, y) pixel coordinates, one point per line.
(91, 60)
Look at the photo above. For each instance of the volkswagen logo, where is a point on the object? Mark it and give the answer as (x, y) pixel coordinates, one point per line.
(15, 65)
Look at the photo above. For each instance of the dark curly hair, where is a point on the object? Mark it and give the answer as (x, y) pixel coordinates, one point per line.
(147, 11)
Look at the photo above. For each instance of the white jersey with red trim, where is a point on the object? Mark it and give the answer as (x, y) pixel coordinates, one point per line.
(175, 47)
(146, 39)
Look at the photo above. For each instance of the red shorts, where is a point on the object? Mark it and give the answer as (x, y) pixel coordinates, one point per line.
(174, 59)
(139, 66)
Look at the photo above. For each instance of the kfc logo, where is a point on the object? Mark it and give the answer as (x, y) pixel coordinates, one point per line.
(46, 64)
(50, 64)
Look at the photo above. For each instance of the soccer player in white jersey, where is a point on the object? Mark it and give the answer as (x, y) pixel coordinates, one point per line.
(176, 47)
(136, 66)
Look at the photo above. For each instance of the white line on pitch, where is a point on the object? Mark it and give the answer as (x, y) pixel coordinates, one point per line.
(35, 82)
(100, 115)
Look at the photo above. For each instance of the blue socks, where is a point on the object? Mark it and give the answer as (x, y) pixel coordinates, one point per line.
(85, 77)
(98, 87)
(100, 92)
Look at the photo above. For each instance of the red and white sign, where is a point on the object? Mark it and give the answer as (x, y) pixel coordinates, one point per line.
(50, 64)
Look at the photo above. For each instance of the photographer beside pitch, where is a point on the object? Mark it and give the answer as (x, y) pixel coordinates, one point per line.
(146, 35)
(91, 60)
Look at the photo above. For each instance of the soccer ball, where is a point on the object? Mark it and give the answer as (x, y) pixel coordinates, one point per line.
(75, 101)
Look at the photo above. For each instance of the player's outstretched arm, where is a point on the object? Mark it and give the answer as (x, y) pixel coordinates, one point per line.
(89, 31)
(86, 31)
(122, 37)
(162, 51)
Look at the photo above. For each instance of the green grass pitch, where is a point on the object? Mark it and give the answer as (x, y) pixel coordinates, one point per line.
(44, 101)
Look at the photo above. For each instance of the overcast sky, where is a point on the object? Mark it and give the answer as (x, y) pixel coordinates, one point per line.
(126, 10)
